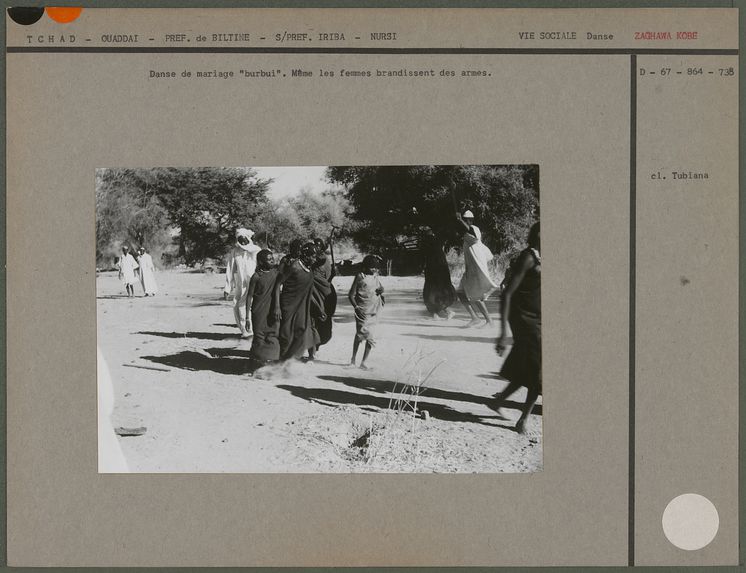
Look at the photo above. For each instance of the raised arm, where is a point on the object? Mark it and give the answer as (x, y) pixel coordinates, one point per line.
(463, 225)
(331, 252)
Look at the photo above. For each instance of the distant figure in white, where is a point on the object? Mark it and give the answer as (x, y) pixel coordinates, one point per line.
(476, 283)
(127, 266)
(240, 267)
(110, 456)
(147, 273)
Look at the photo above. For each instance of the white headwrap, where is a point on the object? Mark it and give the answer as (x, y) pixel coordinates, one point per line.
(248, 233)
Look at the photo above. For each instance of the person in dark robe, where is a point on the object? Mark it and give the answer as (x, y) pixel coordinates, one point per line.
(292, 255)
(324, 291)
(438, 292)
(265, 346)
(293, 306)
(521, 308)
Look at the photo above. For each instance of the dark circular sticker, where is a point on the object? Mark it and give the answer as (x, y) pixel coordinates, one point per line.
(25, 15)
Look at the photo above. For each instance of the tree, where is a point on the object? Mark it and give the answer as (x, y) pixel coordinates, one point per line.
(304, 216)
(393, 203)
(202, 207)
(207, 205)
(127, 212)
(318, 214)
(278, 226)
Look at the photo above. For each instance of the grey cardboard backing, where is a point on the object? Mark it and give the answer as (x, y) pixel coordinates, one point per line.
(69, 113)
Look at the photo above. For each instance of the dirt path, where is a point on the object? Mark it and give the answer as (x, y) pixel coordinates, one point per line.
(179, 370)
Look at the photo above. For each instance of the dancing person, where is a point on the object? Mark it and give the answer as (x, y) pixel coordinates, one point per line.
(323, 273)
(521, 308)
(438, 292)
(366, 298)
(147, 273)
(265, 346)
(292, 255)
(476, 283)
(127, 266)
(319, 293)
(293, 302)
(239, 269)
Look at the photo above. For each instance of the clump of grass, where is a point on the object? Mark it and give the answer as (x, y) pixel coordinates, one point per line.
(403, 408)
(386, 439)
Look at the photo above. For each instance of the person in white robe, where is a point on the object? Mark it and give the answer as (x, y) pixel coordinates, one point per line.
(147, 273)
(476, 282)
(240, 267)
(127, 266)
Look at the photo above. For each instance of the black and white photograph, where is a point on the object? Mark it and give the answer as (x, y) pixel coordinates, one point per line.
(323, 319)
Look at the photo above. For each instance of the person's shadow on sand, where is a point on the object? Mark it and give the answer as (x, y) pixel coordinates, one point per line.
(386, 386)
(189, 334)
(453, 337)
(196, 361)
(331, 397)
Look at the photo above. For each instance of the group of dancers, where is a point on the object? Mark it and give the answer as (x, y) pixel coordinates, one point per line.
(287, 307)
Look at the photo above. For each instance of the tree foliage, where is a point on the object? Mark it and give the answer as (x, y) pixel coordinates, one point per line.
(318, 214)
(127, 212)
(393, 203)
(199, 207)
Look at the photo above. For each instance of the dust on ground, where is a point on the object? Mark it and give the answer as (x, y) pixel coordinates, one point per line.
(180, 369)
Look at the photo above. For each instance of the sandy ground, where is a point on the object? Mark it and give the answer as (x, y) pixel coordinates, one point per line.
(179, 369)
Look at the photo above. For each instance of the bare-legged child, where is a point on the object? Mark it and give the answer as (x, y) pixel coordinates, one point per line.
(366, 298)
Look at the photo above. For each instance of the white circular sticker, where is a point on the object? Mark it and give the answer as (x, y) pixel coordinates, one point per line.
(690, 521)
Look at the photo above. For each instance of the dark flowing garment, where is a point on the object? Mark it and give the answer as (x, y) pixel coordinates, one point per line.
(325, 296)
(523, 364)
(438, 292)
(296, 328)
(265, 346)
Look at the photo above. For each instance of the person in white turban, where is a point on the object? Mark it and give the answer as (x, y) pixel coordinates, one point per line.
(240, 267)
(127, 266)
(147, 273)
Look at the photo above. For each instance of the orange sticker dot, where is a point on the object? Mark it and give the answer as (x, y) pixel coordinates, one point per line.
(63, 14)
